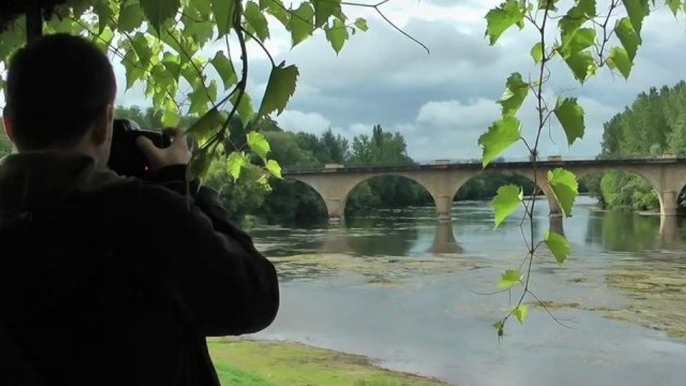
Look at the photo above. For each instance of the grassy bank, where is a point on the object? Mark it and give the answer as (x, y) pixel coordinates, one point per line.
(259, 363)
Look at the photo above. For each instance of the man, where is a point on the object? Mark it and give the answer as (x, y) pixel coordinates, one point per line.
(106, 280)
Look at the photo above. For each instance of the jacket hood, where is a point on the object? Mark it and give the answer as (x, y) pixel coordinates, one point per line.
(35, 179)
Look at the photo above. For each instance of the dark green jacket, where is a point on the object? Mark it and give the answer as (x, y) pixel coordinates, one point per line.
(113, 281)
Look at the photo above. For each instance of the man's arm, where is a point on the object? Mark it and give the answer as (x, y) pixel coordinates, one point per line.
(223, 284)
(209, 267)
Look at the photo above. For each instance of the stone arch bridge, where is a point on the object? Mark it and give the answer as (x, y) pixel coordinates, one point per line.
(443, 180)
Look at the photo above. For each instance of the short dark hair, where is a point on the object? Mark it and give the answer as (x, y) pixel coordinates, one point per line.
(56, 87)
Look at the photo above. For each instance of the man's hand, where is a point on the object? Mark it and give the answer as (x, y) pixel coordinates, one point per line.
(176, 154)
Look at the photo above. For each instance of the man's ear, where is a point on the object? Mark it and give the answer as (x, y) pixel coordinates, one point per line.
(9, 127)
(102, 127)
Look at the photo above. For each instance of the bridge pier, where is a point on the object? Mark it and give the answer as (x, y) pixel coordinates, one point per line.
(669, 204)
(444, 206)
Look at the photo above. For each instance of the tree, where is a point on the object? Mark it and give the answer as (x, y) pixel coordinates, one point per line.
(163, 43)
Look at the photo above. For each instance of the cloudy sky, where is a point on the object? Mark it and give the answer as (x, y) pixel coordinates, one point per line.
(443, 101)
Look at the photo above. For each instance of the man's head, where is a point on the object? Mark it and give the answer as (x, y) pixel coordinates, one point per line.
(60, 95)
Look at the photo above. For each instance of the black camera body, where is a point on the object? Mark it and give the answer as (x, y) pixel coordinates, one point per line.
(126, 159)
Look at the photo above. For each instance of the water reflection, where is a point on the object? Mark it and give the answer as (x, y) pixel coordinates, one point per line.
(444, 240)
(556, 225)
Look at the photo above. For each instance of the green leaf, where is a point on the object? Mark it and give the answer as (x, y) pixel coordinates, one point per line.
(235, 163)
(223, 14)
(361, 24)
(628, 36)
(104, 12)
(274, 168)
(516, 91)
(159, 11)
(256, 20)
(208, 123)
(637, 11)
(140, 45)
(200, 163)
(565, 187)
(620, 60)
(324, 9)
(225, 69)
(201, 97)
(301, 24)
(558, 245)
(280, 88)
(499, 328)
(258, 143)
(245, 109)
(583, 38)
(337, 35)
(521, 312)
(500, 19)
(506, 202)
(510, 278)
(79, 7)
(194, 26)
(171, 118)
(582, 65)
(501, 135)
(130, 17)
(537, 52)
(571, 117)
(674, 6)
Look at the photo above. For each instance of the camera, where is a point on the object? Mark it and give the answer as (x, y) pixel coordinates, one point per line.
(126, 159)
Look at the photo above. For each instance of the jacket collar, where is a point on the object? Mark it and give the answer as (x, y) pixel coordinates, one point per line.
(34, 179)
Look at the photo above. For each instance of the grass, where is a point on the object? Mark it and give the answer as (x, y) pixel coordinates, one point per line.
(256, 363)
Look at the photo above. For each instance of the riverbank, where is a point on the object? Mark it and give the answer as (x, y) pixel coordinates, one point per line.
(242, 362)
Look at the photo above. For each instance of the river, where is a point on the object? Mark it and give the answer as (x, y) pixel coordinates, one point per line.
(415, 295)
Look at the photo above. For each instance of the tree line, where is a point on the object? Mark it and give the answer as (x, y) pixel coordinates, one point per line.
(653, 126)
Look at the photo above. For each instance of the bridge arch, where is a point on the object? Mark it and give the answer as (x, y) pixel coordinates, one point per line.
(541, 182)
(655, 180)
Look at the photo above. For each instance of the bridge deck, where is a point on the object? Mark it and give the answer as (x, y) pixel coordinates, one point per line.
(548, 164)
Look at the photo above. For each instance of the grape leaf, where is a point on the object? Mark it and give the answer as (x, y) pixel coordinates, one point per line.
(225, 69)
(130, 17)
(204, 126)
(637, 11)
(510, 278)
(571, 117)
(674, 6)
(324, 9)
(274, 168)
(558, 245)
(104, 12)
(256, 20)
(628, 36)
(159, 11)
(506, 202)
(619, 59)
(258, 143)
(565, 187)
(199, 164)
(582, 65)
(245, 109)
(280, 88)
(501, 135)
(301, 24)
(537, 52)
(500, 19)
(337, 35)
(521, 312)
(361, 24)
(516, 91)
(235, 163)
(223, 14)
